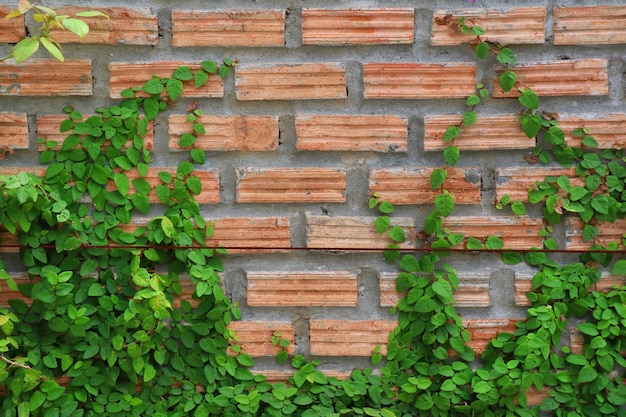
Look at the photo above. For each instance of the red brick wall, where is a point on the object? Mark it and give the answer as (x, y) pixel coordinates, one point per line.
(328, 105)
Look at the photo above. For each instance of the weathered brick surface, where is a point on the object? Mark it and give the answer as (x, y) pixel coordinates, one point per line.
(598, 25)
(473, 290)
(44, 77)
(346, 233)
(357, 26)
(255, 337)
(128, 74)
(412, 185)
(304, 81)
(291, 185)
(308, 288)
(228, 133)
(14, 130)
(352, 133)
(251, 234)
(418, 80)
(48, 128)
(499, 132)
(483, 330)
(520, 232)
(125, 26)
(575, 77)
(607, 232)
(228, 28)
(517, 181)
(11, 30)
(349, 338)
(608, 130)
(524, 25)
(7, 293)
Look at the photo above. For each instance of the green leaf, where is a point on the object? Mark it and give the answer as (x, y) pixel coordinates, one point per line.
(397, 234)
(506, 56)
(24, 49)
(443, 289)
(174, 88)
(437, 178)
(200, 78)
(186, 140)
(451, 133)
(183, 73)
(507, 80)
(209, 66)
(198, 156)
(151, 108)
(141, 202)
(473, 244)
(472, 100)
(494, 242)
(194, 184)
(52, 48)
(154, 86)
(149, 373)
(482, 50)
(587, 374)
(531, 124)
(511, 258)
(619, 268)
(529, 99)
(518, 208)
(76, 26)
(122, 183)
(444, 204)
(451, 155)
(386, 207)
(469, 118)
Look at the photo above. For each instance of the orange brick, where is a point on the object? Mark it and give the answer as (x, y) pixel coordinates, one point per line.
(229, 133)
(291, 81)
(348, 233)
(125, 26)
(7, 293)
(126, 75)
(252, 234)
(412, 185)
(515, 26)
(44, 77)
(608, 130)
(352, 133)
(535, 396)
(607, 232)
(255, 337)
(307, 288)
(488, 133)
(560, 78)
(14, 130)
(210, 184)
(595, 25)
(357, 26)
(473, 290)
(418, 80)
(349, 338)
(48, 128)
(517, 181)
(291, 185)
(482, 331)
(518, 232)
(228, 28)
(11, 30)
(577, 341)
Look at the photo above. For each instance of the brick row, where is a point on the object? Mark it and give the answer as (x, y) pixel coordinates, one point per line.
(412, 185)
(306, 288)
(594, 25)
(357, 26)
(255, 337)
(607, 232)
(520, 232)
(609, 130)
(44, 77)
(11, 30)
(13, 130)
(473, 290)
(517, 181)
(515, 26)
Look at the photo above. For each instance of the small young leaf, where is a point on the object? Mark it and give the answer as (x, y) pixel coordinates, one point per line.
(472, 100)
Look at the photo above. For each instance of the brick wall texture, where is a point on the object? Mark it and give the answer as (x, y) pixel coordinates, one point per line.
(329, 104)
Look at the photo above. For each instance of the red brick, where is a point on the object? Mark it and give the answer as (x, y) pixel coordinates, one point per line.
(482, 331)
(607, 232)
(255, 337)
(473, 290)
(352, 133)
(291, 185)
(349, 338)
(11, 30)
(7, 293)
(307, 288)
(517, 181)
(14, 130)
(519, 232)
(210, 184)
(348, 233)
(48, 128)
(125, 75)
(609, 130)
(560, 78)
(228, 28)
(357, 26)
(594, 25)
(412, 185)
(418, 80)
(488, 133)
(125, 26)
(44, 77)
(252, 234)
(514, 26)
(576, 341)
(229, 133)
(291, 81)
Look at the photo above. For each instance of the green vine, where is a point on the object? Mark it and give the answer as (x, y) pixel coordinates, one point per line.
(104, 328)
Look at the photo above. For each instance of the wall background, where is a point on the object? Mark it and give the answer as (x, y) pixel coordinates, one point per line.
(329, 103)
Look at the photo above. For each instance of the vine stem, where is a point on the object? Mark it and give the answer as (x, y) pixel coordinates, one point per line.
(12, 363)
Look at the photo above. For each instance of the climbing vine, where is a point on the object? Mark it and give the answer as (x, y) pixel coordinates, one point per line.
(106, 324)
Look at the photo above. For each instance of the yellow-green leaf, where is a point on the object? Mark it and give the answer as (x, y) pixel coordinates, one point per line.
(52, 48)
(24, 49)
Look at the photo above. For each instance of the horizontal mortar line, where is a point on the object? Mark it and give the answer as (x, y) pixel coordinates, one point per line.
(331, 249)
